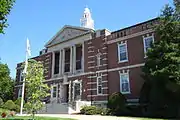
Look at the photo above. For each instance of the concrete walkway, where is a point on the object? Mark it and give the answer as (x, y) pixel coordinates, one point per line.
(86, 117)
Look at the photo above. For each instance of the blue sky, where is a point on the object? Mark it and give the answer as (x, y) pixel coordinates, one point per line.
(39, 20)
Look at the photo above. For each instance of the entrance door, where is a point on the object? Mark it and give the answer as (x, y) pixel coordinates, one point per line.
(54, 93)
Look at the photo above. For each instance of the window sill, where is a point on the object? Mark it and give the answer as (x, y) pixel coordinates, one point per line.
(126, 93)
(123, 61)
(78, 71)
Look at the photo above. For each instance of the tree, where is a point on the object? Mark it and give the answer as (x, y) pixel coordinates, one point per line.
(6, 84)
(36, 90)
(162, 67)
(5, 8)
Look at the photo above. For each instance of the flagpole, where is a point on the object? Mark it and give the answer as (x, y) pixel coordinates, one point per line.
(23, 87)
(24, 75)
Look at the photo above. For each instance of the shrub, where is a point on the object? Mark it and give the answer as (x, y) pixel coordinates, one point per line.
(17, 108)
(117, 104)
(1, 102)
(18, 101)
(9, 105)
(105, 111)
(4, 111)
(91, 110)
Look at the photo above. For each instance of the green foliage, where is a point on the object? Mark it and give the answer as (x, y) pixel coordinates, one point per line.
(117, 104)
(9, 105)
(18, 101)
(6, 84)
(4, 111)
(5, 7)
(36, 90)
(1, 102)
(93, 110)
(163, 63)
(162, 67)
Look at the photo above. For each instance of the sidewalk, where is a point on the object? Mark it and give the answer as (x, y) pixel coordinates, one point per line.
(87, 117)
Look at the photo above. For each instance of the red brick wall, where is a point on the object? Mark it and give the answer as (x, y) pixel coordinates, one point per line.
(47, 63)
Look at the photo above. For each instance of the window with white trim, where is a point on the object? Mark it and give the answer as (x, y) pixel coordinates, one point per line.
(77, 90)
(54, 91)
(99, 85)
(21, 76)
(98, 59)
(122, 52)
(124, 83)
(147, 43)
(20, 92)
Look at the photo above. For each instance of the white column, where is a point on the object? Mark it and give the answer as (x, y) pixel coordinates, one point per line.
(63, 60)
(71, 60)
(74, 59)
(61, 92)
(60, 59)
(53, 58)
(81, 89)
(82, 63)
(70, 91)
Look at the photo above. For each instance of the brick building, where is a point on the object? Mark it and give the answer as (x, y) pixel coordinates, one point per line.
(85, 66)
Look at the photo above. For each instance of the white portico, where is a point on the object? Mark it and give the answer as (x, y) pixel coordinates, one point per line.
(67, 48)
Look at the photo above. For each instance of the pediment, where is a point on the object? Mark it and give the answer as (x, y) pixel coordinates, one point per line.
(66, 33)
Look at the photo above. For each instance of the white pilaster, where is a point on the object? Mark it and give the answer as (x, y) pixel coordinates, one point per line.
(82, 62)
(53, 58)
(71, 60)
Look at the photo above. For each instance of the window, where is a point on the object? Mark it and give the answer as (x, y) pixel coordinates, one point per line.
(99, 85)
(67, 60)
(124, 83)
(20, 92)
(98, 59)
(21, 76)
(77, 91)
(56, 61)
(147, 43)
(122, 52)
(79, 57)
(54, 92)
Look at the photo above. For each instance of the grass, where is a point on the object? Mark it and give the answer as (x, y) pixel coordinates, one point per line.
(149, 119)
(139, 118)
(36, 118)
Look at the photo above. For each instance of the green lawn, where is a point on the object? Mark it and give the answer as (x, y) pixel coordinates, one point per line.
(37, 118)
(149, 119)
(138, 118)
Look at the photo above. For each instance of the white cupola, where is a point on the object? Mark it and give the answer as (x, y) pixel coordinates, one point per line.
(86, 20)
